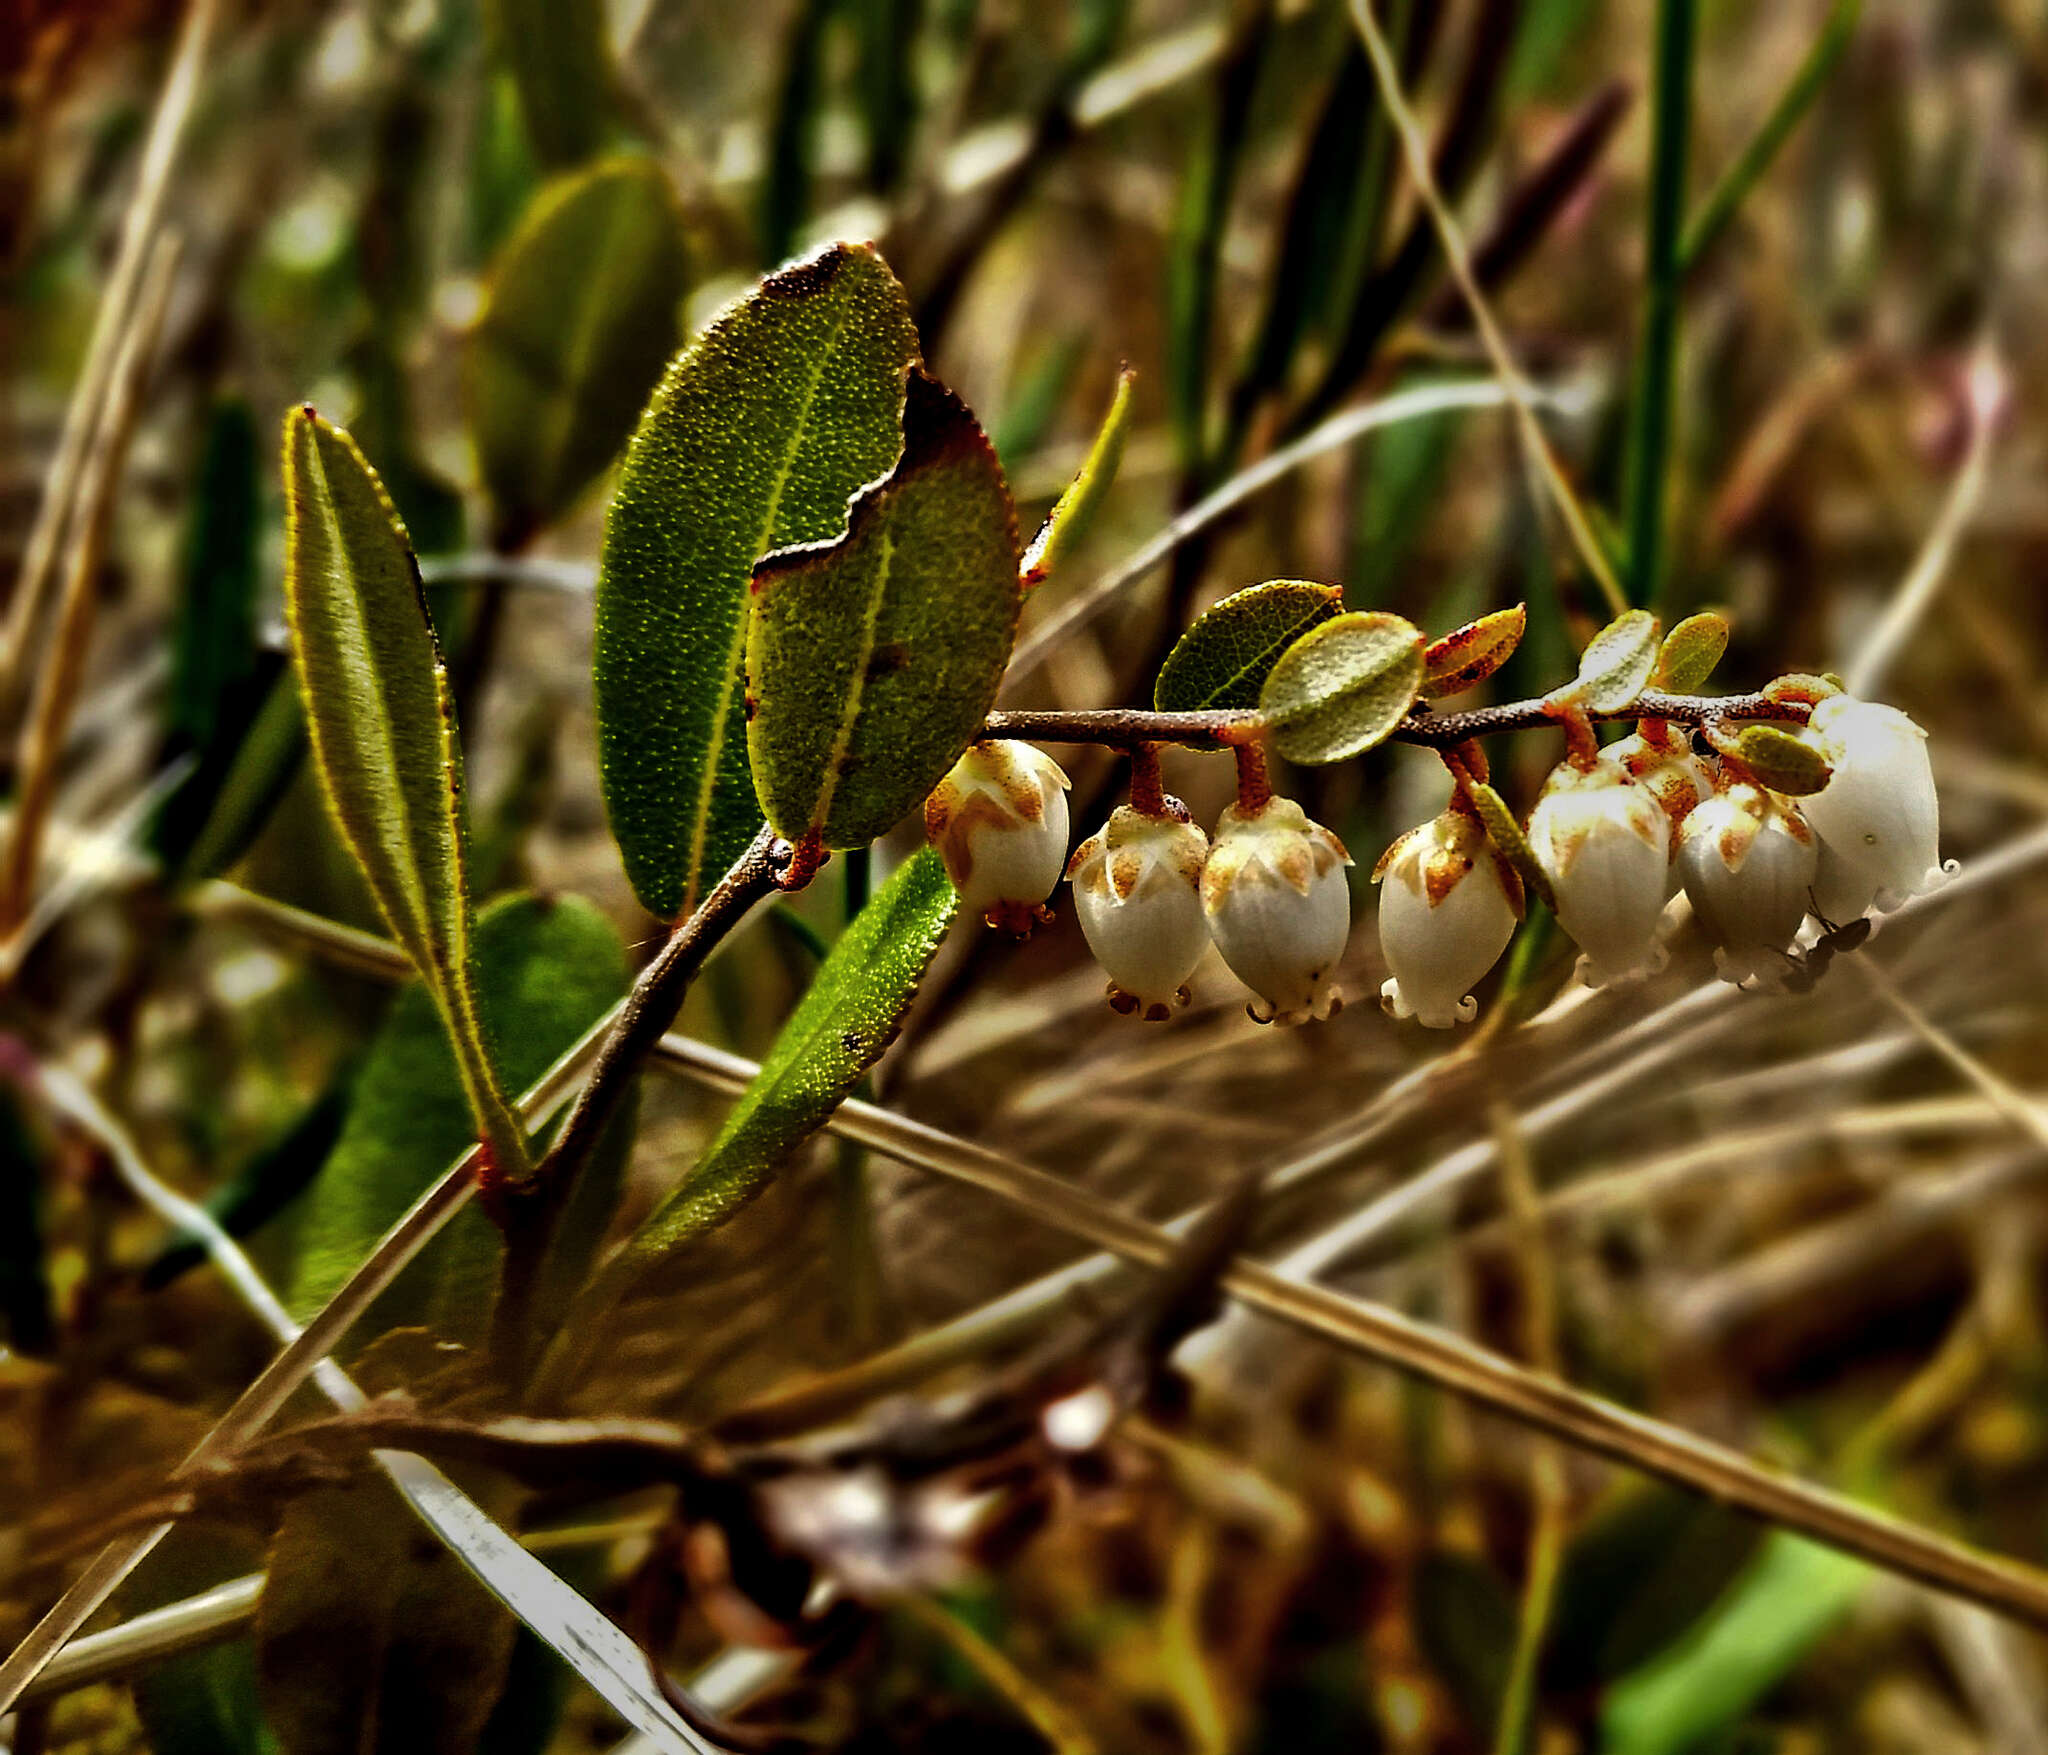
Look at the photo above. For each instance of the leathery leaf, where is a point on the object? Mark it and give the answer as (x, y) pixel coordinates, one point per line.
(1343, 686)
(579, 319)
(872, 661)
(761, 431)
(381, 720)
(839, 1029)
(1224, 658)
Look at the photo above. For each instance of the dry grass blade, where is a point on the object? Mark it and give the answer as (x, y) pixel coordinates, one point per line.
(2016, 1106)
(82, 416)
(1519, 392)
(61, 675)
(1984, 398)
(1339, 429)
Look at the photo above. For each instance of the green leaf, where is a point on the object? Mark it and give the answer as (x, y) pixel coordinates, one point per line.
(1070, 517)
(1467, 656)
(257, 775)
(1506, 835)
(578, 322)
(1616, 665)
(546, 970)
(1223, 660)
(838, 1030)
(213, 640)
(761, 431)
(1754, 1637)
(1690, 652)
(1465, 1624)
(1780, 759)
(371, 1638)
(1342, 687)
(382, 722)
(872, 661)
(561, 64)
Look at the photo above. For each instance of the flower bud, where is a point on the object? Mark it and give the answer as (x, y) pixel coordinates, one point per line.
(1279, 908)
(999, 820)
(1137, 891)
(1604, 844)
(1446, 914)
(1749, 861)
(1877, 816)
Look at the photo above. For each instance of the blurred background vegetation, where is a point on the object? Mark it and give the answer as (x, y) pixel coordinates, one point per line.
(1801, 1226)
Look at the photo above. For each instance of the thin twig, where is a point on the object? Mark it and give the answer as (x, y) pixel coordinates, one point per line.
(64, 668)
(1520, 393)
(1129, 727)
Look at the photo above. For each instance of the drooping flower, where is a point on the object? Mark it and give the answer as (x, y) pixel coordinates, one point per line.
(1749, 860)
(1447, 910)
(1877, 817)
(1137, 891)
(1604, 843)
(1279, 908)
(1661, 760)
(999, 820)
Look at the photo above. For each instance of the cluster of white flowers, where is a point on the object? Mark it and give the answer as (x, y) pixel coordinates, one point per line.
(1151, 891)
(1617, 834)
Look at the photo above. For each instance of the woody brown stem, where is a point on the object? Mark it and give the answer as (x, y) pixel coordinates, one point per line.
(1254, 789)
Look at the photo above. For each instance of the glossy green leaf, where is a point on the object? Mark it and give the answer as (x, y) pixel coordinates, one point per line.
(382, 724)
(1618, 661)
(578, 321)
(872, 661)
(839, 1029)
(1780, 759)
(1690, 652)
(371, 1637)
(1075, 509)
(546, 970)
(1343, 686)
(1467, 656)
(762, 430)
(1223, 660)
(1505, 832)
(561, 65)
(1759, 1631)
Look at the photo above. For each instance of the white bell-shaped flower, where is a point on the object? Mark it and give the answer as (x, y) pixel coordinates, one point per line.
(1137, 890)
(1664, 764)
(1842, 891)
(1446, 914)
(1279, 908)
(999, 820)
(1749, 861)
(1604, 843)
(1877, 816)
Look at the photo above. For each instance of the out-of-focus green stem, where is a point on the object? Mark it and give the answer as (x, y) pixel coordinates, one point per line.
(1754, 159)
(1649, 439)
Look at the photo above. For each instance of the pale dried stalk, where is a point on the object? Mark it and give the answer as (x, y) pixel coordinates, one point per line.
(82, 416)
(59, 679)
(1520, 393)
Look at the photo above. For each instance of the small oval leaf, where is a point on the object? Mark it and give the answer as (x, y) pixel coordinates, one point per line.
(1342, 687)
(839, 1029)
(1506, 835)
(761, 431)
(1467, 656)
(872, 661)
(1690, 652)
(1223, 660)
(1780, 759)
(381, 721)
(1617, 663)
(578, 321)
(1068, 521)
